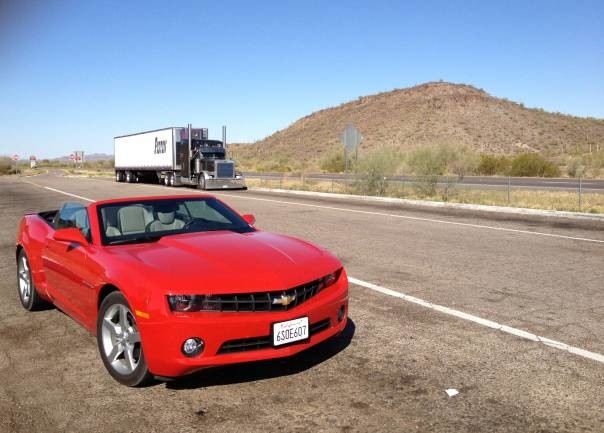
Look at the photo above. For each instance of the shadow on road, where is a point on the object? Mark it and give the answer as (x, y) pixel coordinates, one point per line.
(248, 372)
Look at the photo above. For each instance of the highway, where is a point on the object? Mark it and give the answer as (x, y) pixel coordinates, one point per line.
(510, 313)
(531, 183)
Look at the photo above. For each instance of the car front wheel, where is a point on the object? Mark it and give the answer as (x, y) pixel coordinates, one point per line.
(119, 342)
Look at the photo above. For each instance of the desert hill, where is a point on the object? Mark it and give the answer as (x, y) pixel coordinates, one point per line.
(427, 114)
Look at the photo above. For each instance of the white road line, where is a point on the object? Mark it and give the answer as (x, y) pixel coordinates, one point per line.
(446, 310)
(479, 320)
(503, 229)
(66, 193)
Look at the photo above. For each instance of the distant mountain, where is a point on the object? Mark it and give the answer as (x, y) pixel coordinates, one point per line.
(91, 157)
(426, 114)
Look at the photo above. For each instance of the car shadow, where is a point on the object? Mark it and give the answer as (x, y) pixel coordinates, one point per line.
(253, 371)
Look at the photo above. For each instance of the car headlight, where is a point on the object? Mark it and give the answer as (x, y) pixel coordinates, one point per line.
(329, 279)
(187, 303)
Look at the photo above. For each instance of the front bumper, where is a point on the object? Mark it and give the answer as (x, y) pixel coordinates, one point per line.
(225, 183)
(162, 340)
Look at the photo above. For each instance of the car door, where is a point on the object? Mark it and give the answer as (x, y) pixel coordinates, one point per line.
(67, 264)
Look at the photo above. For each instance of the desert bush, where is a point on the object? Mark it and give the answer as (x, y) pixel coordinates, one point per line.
(101, 164)
(462, 160)
(333, 162)
(490, 165)
(281, 166)
(6, 165)
(575, 166)
(533, 164)
(372, 169)
(430, 162)
(595, 163)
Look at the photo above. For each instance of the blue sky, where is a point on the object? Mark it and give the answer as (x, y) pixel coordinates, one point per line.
(75, 74)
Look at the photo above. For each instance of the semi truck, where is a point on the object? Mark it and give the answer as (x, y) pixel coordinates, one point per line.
(175, 156)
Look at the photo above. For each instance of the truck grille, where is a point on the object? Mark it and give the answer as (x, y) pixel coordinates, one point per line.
(257, 343)
(225, 169)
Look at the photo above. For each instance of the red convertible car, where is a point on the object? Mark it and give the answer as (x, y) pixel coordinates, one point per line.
(171, 285)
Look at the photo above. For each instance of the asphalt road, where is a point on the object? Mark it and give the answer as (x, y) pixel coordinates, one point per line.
(387, 373)
(530, 183)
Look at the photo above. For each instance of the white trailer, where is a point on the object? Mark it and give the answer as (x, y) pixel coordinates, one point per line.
(175, 156)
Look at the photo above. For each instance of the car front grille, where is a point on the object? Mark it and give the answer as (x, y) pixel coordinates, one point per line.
(281, 300)
(257, 343)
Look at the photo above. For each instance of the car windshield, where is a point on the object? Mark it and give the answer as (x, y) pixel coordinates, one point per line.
(149, 220)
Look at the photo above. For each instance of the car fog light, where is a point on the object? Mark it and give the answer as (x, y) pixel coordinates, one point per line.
(192, 346)
(341, 313)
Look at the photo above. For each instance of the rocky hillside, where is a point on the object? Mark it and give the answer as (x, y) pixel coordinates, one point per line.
(427, 114)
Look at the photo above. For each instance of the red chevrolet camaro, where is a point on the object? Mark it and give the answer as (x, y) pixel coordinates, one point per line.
(171, 285)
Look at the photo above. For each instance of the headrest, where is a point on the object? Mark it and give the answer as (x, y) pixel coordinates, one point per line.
(166, 217)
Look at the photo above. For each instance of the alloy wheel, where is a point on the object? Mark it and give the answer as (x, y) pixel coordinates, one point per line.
(24, 279)
(121, 339)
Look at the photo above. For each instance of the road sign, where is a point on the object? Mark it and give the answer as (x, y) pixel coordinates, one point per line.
(72, 157)
(351, 137)
(32, 158)
(79, 156)
(15, 157)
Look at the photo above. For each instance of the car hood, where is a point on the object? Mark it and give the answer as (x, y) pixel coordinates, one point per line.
(228, 262)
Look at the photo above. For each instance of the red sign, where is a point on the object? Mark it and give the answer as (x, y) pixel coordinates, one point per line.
(15, 157)
(32, 158)
(71, 157)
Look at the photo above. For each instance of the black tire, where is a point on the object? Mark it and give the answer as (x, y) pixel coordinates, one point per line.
(201, 182)
(129, 177)
(119, 176)
(30, 299)
(140, 375)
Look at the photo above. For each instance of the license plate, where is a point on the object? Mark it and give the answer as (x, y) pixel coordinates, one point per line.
(290, 331)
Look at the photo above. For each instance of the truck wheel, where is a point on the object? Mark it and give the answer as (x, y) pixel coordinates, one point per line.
(129, 177)
(167, 179)
(201, 182)
(172, 180)
(119, 176)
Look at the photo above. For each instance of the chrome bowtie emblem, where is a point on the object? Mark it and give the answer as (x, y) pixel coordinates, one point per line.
(284, 300)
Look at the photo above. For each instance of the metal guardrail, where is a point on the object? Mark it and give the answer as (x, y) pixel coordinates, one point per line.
(503, 190)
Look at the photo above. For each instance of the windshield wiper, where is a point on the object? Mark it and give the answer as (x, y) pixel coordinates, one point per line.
(135, 240)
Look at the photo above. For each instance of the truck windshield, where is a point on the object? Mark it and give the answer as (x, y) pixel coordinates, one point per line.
(149, 220)
(206, 143)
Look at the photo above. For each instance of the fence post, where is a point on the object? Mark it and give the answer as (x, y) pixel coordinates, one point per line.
(580, 193)
(509, 186)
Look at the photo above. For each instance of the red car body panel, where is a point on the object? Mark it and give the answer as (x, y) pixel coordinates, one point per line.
(75, 277)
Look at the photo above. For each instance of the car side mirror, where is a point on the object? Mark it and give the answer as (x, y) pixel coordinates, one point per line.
(70, 235)
(249, 218)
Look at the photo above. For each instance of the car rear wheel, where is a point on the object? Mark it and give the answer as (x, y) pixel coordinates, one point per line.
(27, 291)
(119, 342)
